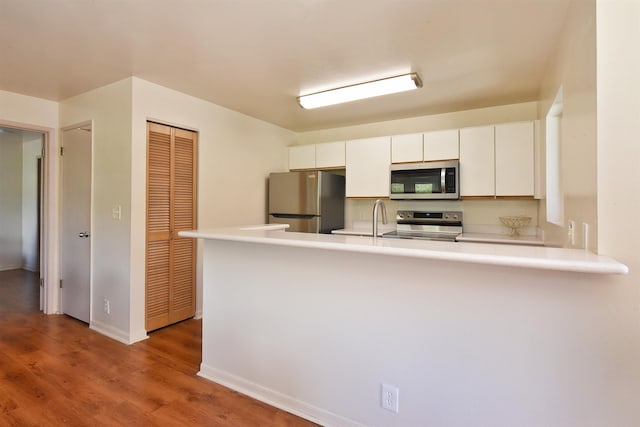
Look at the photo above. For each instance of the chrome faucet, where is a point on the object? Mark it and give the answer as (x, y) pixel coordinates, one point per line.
(379, 203)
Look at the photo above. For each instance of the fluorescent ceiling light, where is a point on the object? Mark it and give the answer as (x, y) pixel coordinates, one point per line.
(387, 86)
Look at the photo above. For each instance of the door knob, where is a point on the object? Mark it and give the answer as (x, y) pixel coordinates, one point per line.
(84, 234)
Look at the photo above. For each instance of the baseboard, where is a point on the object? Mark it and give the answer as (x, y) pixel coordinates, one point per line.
(276, 399)
(31, 268)
(198, 315)
(138, 336)
(10, 267)
(111, 332)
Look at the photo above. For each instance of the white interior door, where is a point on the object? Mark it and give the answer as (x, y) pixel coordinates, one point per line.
(75, 254)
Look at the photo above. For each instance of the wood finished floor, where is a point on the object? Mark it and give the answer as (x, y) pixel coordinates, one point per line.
(55, 371)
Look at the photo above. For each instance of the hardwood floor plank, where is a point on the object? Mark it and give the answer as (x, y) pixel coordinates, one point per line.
(56, 371)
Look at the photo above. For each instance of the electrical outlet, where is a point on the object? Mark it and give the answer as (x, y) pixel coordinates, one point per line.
(572, 232)
(390, 397)
(116, 212)
(107, 307)
(585, 235)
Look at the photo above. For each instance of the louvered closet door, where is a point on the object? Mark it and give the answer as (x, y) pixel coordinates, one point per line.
(171, 191)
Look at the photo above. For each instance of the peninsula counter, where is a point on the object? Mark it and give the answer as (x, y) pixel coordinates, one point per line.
(470, 334)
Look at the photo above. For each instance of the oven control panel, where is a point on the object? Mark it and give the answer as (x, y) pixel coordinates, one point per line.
(429, 217)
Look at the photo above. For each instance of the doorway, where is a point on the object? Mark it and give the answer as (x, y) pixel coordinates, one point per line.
(20, 199)
(75, 235)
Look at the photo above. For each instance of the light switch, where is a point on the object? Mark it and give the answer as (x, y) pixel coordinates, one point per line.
(116, 212)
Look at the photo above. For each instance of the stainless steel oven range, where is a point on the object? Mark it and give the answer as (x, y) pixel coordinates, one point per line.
(427, 225)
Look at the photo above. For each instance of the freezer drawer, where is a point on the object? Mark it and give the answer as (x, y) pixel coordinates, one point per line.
(301, 224)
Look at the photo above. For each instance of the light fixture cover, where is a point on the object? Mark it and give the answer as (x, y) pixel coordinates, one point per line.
(358, 91)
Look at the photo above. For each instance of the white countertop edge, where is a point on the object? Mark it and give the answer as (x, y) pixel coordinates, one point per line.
(265, 227)
(558, 259)
(500, 238)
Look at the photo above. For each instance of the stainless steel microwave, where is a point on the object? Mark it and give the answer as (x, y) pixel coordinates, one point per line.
(425, 181)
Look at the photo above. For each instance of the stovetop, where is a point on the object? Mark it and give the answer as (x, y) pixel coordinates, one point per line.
(427, 225)
(444, 237)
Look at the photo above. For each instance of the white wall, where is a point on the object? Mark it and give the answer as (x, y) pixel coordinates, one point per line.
(109, 109)
(618, 186)
(600, 75)
(27, 110)
(31, 151)
(466, 344)
(574, 69)
(10, 201)
(235, 155)
(454, 120)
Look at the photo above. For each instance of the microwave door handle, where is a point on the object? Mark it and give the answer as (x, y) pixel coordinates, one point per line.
(443, 180)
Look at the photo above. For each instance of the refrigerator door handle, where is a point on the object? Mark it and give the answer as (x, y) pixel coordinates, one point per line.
(299, 216)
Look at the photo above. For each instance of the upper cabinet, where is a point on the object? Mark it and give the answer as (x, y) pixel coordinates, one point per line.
(367, 167)
(302, 157)
(497, 160)
(418, 147)
(330, 155)
(406, 148)
(477, 167)
(317, 156)
(441, 145)
(515, 159)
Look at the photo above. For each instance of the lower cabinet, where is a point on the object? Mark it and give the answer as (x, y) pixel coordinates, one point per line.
(367, 167)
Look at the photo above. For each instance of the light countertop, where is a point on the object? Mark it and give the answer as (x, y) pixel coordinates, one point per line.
(500, 238)
(537, 257)
(366, 230)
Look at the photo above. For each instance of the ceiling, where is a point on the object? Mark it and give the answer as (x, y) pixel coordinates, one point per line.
(256, 56)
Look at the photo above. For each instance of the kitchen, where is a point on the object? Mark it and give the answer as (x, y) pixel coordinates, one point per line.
(597, 338)
(375, 166)
(373, 311)
(533, 329)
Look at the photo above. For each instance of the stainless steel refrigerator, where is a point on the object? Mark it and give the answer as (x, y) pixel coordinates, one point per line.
(309, 201)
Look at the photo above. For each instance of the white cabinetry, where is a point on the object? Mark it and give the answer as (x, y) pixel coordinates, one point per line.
(367, 167)
(514, 159)
(477, 166)
(435, 145)
(302, 157)
(441, 145)
(497, 160)
(330, 155)
(406, 148)
(312, 156)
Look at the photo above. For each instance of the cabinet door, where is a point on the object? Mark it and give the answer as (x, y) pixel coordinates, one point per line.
(330, 155)
(367, 169)
(406, 148)
(514, 159)
(302, 157)
(477, 166)
(441, 145)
